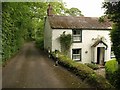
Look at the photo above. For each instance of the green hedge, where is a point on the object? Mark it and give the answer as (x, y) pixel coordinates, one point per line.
(92, 66)
(84, 72)
(39, 42)
(111, 66)
(16, 27)
(112, 73)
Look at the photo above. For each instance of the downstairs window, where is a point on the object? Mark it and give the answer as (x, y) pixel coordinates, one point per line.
(76, 54)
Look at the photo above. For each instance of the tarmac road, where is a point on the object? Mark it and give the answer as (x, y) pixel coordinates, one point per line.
(31, 68)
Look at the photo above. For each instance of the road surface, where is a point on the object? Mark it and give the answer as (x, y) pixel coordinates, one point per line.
(31, 68)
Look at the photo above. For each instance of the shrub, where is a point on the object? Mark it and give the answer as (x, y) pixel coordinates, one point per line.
(111, 66)
(92, 66)
(113, 73)
(39, 43)
(84, 72)
(117, 79)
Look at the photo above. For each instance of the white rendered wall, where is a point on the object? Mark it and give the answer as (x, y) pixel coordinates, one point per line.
(55, 38)
(47, 35)
(87, 41)
(88, 37)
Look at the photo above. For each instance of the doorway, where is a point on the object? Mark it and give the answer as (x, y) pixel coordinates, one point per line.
(100, 55)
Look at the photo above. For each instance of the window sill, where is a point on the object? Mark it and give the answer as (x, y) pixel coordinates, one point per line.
(76, 60)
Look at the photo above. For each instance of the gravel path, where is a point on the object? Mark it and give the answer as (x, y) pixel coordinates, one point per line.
(31, 68)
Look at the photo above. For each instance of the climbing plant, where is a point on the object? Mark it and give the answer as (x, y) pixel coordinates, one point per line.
(65, 41)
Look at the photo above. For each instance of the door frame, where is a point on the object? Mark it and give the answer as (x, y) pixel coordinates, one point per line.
(100, 55)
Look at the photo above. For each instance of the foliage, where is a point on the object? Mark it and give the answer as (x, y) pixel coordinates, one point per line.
(65, 40)
(23, 21)
(39, 43)
(115, 38)
(111, 66)
(84, 72)
(102, 19)
(116, 79)
(73, 12)
(15, 26)
(113, 13)
(112, 72)
(92, 66)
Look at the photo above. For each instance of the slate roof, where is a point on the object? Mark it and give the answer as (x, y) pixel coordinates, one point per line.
(77, 22)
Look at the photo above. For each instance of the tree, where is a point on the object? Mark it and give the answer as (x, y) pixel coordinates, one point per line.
(73, 12)
(15, 23)
(113, 13)
(23, 21)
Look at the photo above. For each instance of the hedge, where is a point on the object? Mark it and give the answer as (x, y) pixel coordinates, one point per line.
(113, 73)
(83, 71)
(92, 66)
(111, 66)
(39, 42)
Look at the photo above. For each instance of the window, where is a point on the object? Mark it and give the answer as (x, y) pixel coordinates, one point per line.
(76, 54)
(77, 35)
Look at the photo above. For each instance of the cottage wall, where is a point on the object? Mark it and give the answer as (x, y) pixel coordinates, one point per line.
(47, 35)
(55, 38)
(88, 37)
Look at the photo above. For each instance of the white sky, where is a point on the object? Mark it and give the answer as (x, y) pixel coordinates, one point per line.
(89, 8)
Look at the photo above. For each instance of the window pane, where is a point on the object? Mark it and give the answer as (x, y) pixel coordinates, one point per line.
(76, 51)
(74, 32)
(78, 32)
(77, 35)
(76, 57)
(76, 38)
(76, 54)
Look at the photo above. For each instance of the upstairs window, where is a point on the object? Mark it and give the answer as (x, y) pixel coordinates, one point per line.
(77, 35)
(76, 54)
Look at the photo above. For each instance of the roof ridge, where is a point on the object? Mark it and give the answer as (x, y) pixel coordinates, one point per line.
(71, 16)
(75, 22)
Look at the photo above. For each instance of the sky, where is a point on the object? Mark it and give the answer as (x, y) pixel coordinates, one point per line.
(89, 8)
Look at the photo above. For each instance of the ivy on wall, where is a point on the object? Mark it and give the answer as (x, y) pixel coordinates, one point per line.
(65, 41)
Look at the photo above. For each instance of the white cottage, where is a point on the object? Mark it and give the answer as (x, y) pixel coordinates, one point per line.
(90, 38)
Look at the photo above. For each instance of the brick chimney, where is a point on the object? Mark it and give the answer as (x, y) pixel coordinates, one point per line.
(49, 10)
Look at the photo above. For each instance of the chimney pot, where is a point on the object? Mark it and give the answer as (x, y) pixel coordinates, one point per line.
(49, 10)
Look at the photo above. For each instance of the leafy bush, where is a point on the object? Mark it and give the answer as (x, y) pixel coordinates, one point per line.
(111, 66)
(84, 72)
(113, 73)
(116, 79)
(40, 43)
(92, 66)
(16, 22)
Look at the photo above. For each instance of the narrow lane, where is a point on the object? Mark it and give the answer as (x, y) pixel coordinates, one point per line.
(31, 68)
